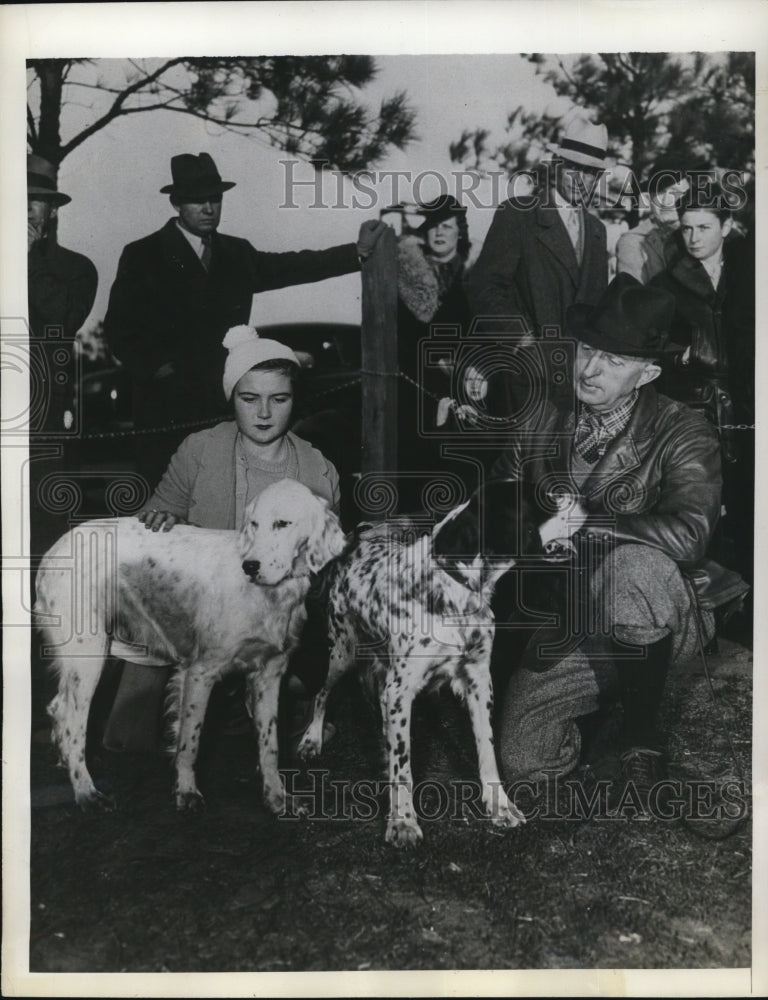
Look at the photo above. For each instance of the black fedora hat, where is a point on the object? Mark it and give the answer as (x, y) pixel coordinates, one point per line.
(195, 177)
(41, 181)
(630, 319)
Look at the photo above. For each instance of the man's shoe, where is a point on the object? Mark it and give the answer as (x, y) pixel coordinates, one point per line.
(641, 769)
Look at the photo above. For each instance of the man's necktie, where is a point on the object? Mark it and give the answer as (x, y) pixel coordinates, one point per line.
(573, 225)
(205, 256)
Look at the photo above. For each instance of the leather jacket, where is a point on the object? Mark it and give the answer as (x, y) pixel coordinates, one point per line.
(658, 484)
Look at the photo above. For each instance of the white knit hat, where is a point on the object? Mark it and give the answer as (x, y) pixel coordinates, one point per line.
(246, 349)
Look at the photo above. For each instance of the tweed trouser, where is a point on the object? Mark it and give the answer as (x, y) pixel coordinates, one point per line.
(640, 597)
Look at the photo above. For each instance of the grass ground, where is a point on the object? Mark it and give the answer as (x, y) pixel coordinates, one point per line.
(234, 889)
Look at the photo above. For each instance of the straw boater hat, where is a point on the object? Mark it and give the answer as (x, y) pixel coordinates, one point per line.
(630, 319)
(41, 181)
(246, 349)
(583, 143)
(195, 177)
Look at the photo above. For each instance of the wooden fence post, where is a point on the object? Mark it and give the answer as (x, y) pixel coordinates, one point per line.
(379, 356)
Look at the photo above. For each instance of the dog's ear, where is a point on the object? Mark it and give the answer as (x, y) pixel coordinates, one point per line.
(326, 539)
(246, 532)
(457, 534)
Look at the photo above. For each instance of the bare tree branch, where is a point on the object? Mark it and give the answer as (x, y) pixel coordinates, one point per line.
(316, 114)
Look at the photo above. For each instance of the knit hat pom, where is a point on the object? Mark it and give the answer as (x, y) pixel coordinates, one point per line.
(247, 349)
(237, 336)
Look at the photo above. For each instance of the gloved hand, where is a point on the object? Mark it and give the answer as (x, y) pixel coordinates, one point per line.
(368, 236)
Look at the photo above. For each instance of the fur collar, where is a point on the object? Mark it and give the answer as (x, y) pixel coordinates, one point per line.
(417, 283)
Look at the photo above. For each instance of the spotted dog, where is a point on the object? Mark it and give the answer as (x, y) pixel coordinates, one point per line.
(419, 612)
(213, 602)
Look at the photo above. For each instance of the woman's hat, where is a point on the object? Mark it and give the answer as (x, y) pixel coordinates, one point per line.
(246, 349)
(584, 144)
(41, 181)
(664, 174)
(630, 319)
(434, 212)
(195, 178)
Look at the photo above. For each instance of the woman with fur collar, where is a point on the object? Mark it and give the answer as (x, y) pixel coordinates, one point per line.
(431, 276)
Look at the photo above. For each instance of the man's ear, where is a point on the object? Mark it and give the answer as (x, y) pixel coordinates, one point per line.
(727, 226)
(648, 374)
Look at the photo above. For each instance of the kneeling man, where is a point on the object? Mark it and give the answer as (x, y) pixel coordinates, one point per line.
(647, 470)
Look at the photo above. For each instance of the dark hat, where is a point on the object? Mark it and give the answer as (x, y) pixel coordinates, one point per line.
(41, 181)
(195, 177)
(668, 171)
(630, 319)
(434, 212)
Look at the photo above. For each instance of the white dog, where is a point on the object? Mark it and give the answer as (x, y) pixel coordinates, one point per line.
(212, 602)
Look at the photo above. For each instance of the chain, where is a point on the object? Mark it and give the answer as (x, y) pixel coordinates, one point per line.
(335, 388)
(432, 395)
(210, 421)
(406, 378)
(188, 425)
(102, 435)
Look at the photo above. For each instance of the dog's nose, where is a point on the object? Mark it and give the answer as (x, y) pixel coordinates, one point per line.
(251, 568)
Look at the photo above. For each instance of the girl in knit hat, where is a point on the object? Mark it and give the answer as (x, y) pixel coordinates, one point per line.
(209, 482)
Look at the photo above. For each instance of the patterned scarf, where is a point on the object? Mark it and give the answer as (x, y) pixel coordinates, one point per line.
(595, 431)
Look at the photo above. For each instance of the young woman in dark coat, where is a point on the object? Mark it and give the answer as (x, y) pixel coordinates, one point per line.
(713, 283)
(431, 278)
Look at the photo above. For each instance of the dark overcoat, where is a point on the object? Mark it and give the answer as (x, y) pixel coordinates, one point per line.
(717, 324)
(167, 317)
(718, 378)
(165, 309)
(61, 287)
(528, 266)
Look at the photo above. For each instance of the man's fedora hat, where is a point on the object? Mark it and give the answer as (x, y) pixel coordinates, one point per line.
(41, 181)
(630, 319)
(195, 177)
(584, 144)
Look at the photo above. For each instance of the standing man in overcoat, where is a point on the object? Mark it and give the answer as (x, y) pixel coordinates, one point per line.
(61, 288)
(180, 289)
(545, 251)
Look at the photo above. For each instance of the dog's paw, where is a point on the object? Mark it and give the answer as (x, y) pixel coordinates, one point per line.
(403, 833)
(94, 801)
(507, 816)
(189, 801)
(295, 807)
(309, 748)
(277, 802)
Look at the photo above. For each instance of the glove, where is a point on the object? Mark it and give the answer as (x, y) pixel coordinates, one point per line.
(368, 236)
